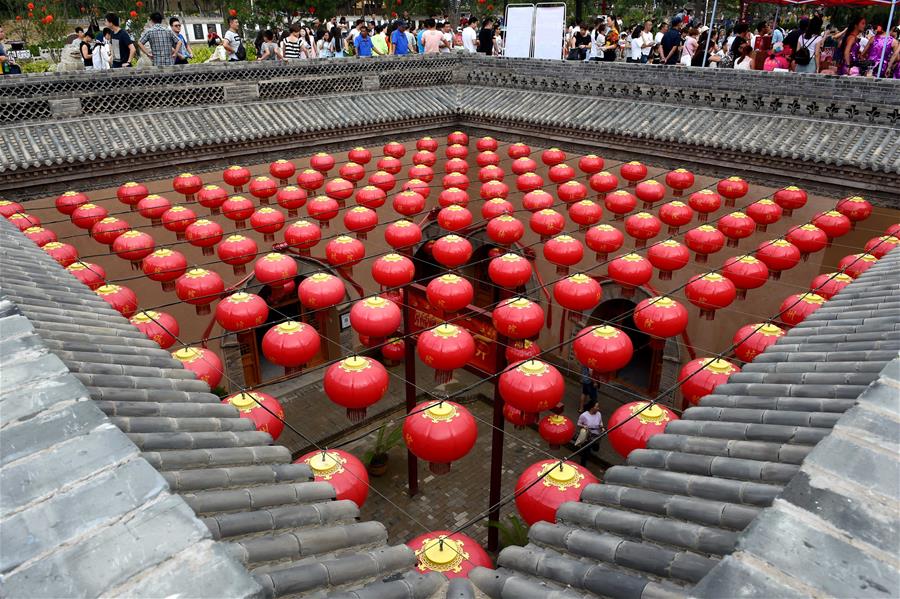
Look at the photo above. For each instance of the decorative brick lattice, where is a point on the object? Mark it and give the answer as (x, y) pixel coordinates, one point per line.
(25, 111)
(144, 100)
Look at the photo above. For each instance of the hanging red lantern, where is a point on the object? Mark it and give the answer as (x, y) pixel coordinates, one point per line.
(833, 223)
(402, 234)
(572, 191)
(454, 218)
(704, 240)
(7, 208)
(496, 207)
(63, 253)
(422, 173)
(458, 138)
(240, 311)
(454, 555)
(199, 287)
(753, 339)
(456, 151)
(267, 221)
(187, 185)
(310, 179)
(518, 318)
(375, 317)
(386, 166)
(86, 216)
(736, 226)
(359, 155)
(553, 156)
(453, 197)
(521, 350)
(23, 220)
(523, 165)
(505, 230)
(604, 240)
(809, 239)
(487, 144)
(561, 173)
(360, 220)
(556, 430)
(418, 186)
(604, 349)
(590, 164)
(764, 213)
(263, 188)
(650, 192)
(547, 223)
(133, 246)
(537, 200)
(732, 188)
(107, 230)
(829, 284)
(518, 150)
(339, 189)
(603, 183)
(237, 209)
(394, 149)
(564, 251)
(457, 180)
(440, 433)
(529, 182)
(487, 159)
(153, 207)
(92, 275)
(452, 251)
(558, 483)
(237, 251)
(620, 203)
(121, 298)
(449, 292)
(322, 162)
(854, 208)
(879, 246)
(393, 270)
(700, 377)
(261, 408)
(371, 197)
(531, 386)
(164, 266)
(445, 348)
(856, 264)
(129, 194)
(291, 198)
(237, 177)
(275, 270)
(68, 202)
(746, 272)
(704, 202)
(675, 214)
(342, 470)
(323, 209)
(642, 226)
(790, 198)
(679, 180)
(204, 363)
(795, 308)
(408, 203)
(633, 172)
(668, 256)
(509, 270)
(427, 144)
(39, 235)
(710, 292)
(429, 159)
(517, 417)
(630, 271)
(302, 235)
(351, 172)
(778, 255)
(577, 293)
(321, 290)
(282, 170)
(494, 189)
(344, 252)
(661, 317)
(177, 219)
(212, 197)
(394, 350)
(157, 326)
(632, 425)
(585, 214)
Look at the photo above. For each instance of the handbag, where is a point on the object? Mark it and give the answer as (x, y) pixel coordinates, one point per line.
(582, 436)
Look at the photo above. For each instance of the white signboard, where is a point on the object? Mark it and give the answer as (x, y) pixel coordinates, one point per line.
(549, 28)
(519, 21)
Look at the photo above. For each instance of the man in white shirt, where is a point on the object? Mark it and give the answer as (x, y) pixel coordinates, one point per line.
(447, 37)
(233, 39)
(470, 36)
(647, 41)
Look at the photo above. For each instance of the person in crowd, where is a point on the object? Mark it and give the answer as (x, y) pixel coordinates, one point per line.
(592, 421)
(894, 65)
(100, 51)
(470, 36)
(325, 45)
(847, 56)
(595, 52)
(689, 47)
(611, 48)
(447, 36)
(84, 49)
(647, 42)
(744, 61)
(337, 37)
(792, 39)
(579, 44)
(671, 43)
(828, 48)
(636, 53)
(218, 54)
(807, 52)
(498, 42)
(880, 45)
(588, 389)
(233, 43)
(713, 57)
(762, 30)
(380, 40)
(486, 37)
(418, 32)
(656, 52)
(160, 45)
(777, 34)
(399, 41)
(185, 54)
(741, 37)
(362, 45)
(122, 47)
(776, 60)
(269, 50)
(308, 36)
(294, 47)
(431, 38)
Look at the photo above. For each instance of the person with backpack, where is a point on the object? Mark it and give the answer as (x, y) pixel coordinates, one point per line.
(806, 55)
(233, 43)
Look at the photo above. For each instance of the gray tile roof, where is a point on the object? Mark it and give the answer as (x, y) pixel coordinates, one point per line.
(790, 470)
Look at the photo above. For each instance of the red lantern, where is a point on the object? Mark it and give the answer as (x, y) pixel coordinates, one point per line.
(790, 198)
(394, 350)
(833, 223)
(603, 182)
(675, 214)
(632, 425)
(323, 209)
(63, 253)
(23, 220)
(445, 348)
(452, 251)
(371, 197)
(537, 200)
(427, 144)
(402, 234)
(642, 226)
(262, 409)
(585, 213)
(518, 150)
(531, 386)
(360, 220)
(661, 317)
(92, 275)
(7, 208)
(291, 198)
(736, 226)
(421, 172)
(620, 203)
(517, 417)
(199, 287)
(344, 252)
(418, 186)
(428, 159)
(177, 219)
(310, 179)
(679, 180)
(487, 144)
(282, 170)
(237, 177)
(590, 164)
(494, 189)
(359, 155)
(455, 166)
(263, 188)
(603, 240)
(764, 213)
(165, 266)
(572, 191)
(564, 251)
(630, 271)
(39, 235)
(453, 197)
(302, 235)
(267, 221)
(133, 246)
(237, 209)
(129, 194)
(509, 270)
(855, 208)
(458, 138)
(753, 339)
(375, 317)
(547, 223)
(561, 173)
(778, 255)
(746, 272)
(496, 207)
(339, 189)
(237, 251)
(440, 433)
(523, 165)
(86, 216)
(240, 311)
(556, 430)
(321, 290)
(121, 298)
(558, 483)
(449, 292)
(67, 202)
(457, 180)
(456, 151)
(577, 293)
(732, 188)
(454, 218)
(393, 270)
(107, 230)
(394, 149)
(204, 363)
(668, 256)
(352, 172)
(553, 156)
(829, 284)
(490, 173)
(809, 239)
(700, 377)
(704, 202)
(650, 192)
(521, 350)
(879, 246)
(212, 197)
(322, 162)
(408, 203)
(856, 264)
(505, 230)
(795, 308)
(452, 554)
(633, 172)
(710, 292)
(342, 470)
(518, 318)
(603, 348)
(704, 240)
(275, 270)
(157, 326)
(187, 185)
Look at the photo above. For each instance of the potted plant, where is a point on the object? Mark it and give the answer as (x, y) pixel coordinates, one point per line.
(376, 458)
(515, 532)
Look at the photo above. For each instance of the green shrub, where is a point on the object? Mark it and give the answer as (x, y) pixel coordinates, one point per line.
(35, 66)
(203, 52)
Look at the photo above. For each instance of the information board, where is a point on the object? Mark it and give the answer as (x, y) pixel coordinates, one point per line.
(549, 28)
(519, 30)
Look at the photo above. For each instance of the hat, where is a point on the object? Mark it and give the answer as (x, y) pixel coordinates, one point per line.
(778, 48)
(704, 29)
(400, 23)
(676, 21)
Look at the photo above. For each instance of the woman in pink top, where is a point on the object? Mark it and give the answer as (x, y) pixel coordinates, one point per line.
(432, 39)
